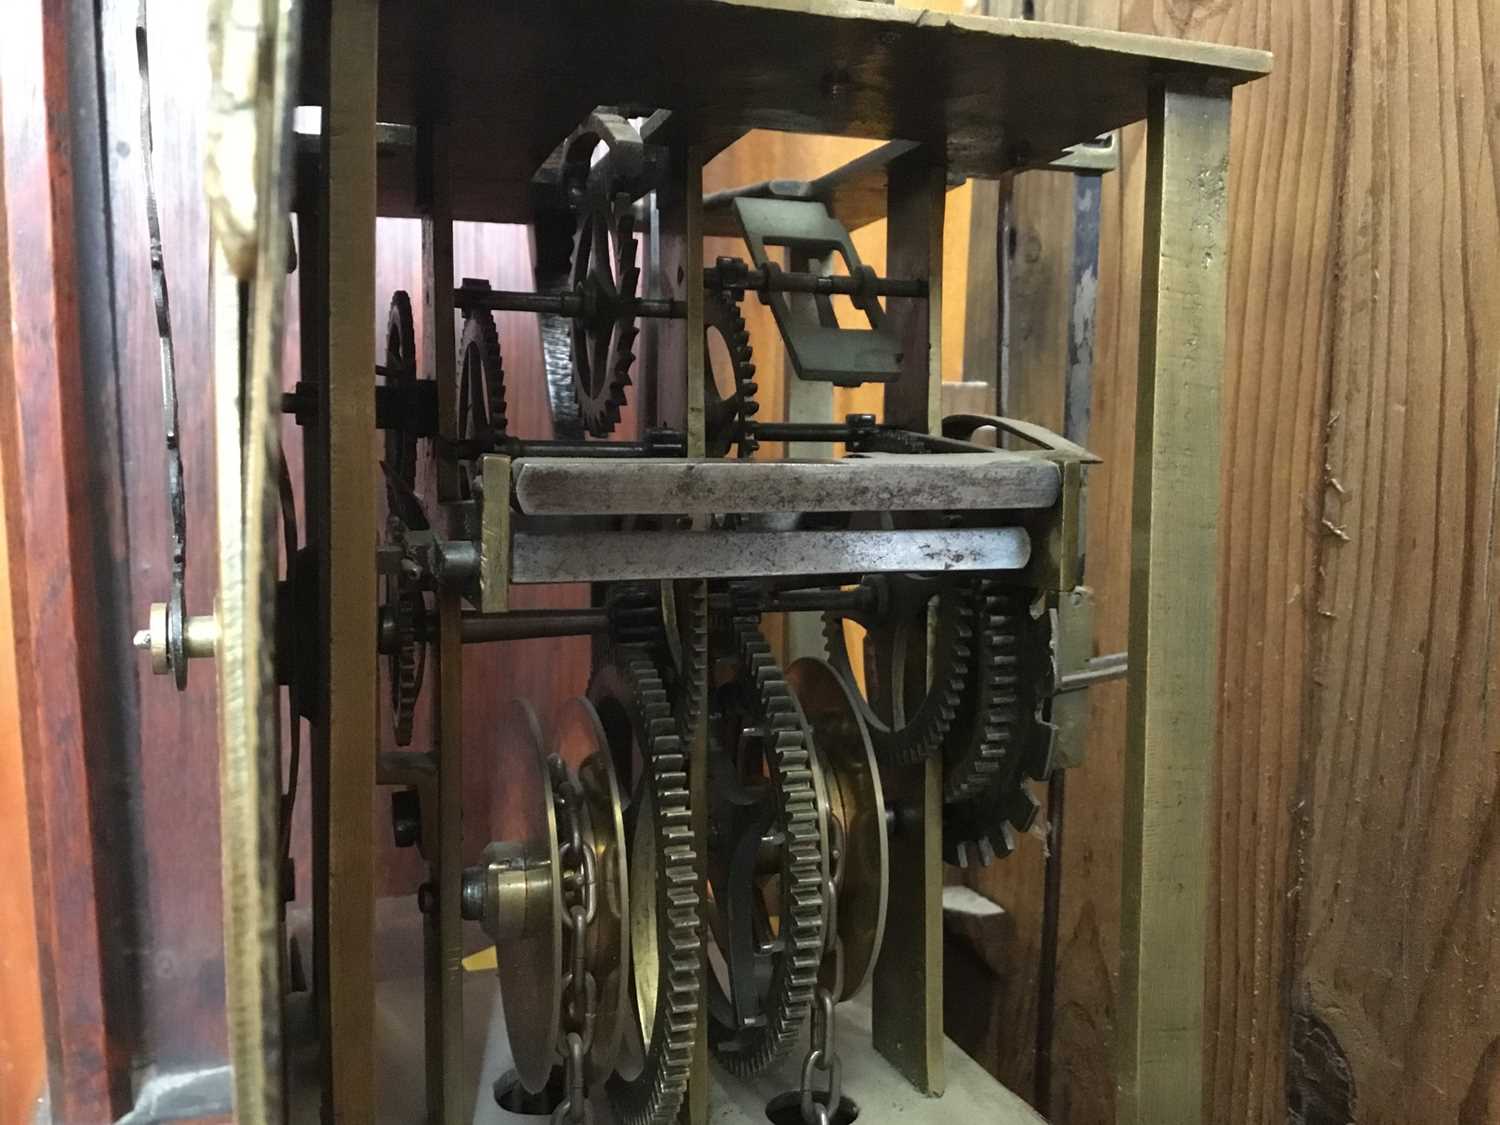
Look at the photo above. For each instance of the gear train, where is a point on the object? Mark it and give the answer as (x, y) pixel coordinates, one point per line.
(729, 839)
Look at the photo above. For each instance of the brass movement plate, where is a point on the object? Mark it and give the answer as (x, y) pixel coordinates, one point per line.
(1017, 92)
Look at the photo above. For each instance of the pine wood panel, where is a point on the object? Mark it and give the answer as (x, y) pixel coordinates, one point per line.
(1396, 941)
(1281, 289)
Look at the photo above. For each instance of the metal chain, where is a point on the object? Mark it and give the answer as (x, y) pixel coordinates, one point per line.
(176, 497)
(580, 991)
(822, 1055)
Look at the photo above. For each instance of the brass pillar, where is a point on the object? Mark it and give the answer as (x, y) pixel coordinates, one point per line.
(1173, 679)
(908, 997)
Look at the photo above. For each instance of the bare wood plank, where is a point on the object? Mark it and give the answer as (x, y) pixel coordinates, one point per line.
(1282, 288)
(1398, 791)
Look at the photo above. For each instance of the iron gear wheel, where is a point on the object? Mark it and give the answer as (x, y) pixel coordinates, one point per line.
(481, 375)
(670, 618)
(645, 741)
(904, 731)
(983, 828)
(981, 825)
(764, 786)
(729, 421)
(407, 663)
(606, 274)
(635, 614)
(401, 370)
(988, 738)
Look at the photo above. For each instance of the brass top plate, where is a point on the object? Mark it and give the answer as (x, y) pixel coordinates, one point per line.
(989, 94)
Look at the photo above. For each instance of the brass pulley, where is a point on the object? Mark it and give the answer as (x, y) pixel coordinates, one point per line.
(552, 893)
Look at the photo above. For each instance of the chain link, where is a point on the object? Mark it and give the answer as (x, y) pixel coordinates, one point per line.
(574, 1108)
(580, 989)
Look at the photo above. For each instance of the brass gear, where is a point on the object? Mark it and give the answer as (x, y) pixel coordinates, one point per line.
(729, 422)
(856, 817)
(665, 918)
(670, 618)
(584, 773)
(762, 1014)
(903, 732)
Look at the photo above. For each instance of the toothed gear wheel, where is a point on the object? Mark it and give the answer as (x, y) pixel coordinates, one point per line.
(982, 829)
(686, 620)
(606, 275)
(905, 730)
(401, 370)
(635, 614)
(635, 709)
(729, 421)
(763, 789)
(670, 618)
(988, 738)
(481, 384)
(406, 664)
(981, 826)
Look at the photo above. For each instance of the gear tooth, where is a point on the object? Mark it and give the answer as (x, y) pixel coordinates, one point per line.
(653, 1098)
(800, 946)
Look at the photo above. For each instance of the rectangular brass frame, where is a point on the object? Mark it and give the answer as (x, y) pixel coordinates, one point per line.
(1172, 641)
(1171, 738)
(908, 996)
(442, 926)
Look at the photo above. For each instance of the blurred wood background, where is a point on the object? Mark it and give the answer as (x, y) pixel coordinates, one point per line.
(1357, 851)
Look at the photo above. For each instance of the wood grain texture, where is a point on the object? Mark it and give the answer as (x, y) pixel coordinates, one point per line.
(1281, 290)
(1396, 942)
(1282, 285)
(1345, 687)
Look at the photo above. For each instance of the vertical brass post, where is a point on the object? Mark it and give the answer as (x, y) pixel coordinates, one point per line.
(908, 997)
(442, 926)
(1173, 679)
(346, 732)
